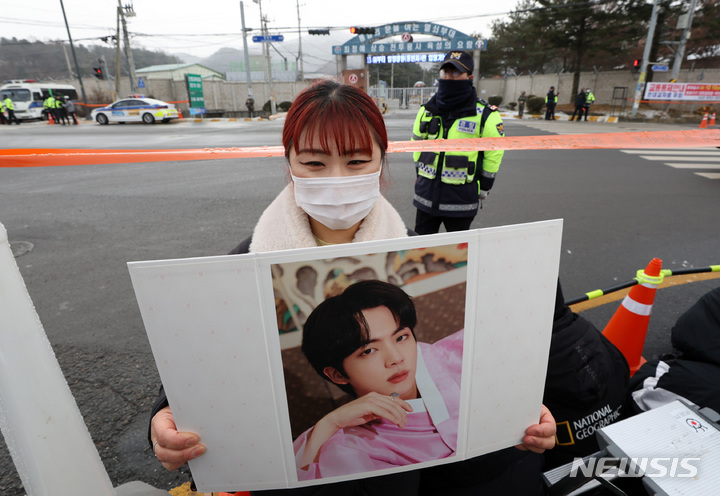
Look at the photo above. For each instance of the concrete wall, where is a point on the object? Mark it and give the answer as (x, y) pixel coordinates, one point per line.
(230, 96)
(601, 83)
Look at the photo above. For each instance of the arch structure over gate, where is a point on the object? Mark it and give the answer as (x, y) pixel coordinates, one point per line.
(450, 39)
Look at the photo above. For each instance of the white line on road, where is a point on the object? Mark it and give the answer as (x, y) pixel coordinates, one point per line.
(675, 157)
(679, 165)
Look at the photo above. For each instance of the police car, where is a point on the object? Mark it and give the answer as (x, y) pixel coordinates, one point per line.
(136, 108)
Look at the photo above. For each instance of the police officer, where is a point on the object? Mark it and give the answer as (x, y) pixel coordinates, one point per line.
(451, 185)
(8, 104)
(250, 104)
(550, 102)
(2, 112)
(589, 100)
(579, 106)
(60, 113)
(49, 106)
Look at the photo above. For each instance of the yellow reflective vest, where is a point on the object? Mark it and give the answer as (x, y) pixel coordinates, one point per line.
(8, 104)
(448, 182)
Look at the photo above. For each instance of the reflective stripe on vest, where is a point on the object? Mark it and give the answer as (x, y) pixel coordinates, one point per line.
(448, 207)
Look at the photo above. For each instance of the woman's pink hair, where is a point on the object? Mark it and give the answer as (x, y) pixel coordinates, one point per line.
(337, 113)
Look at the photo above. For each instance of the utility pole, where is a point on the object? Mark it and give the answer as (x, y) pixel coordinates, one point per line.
(72, 48)
(268, 61)
(646, 56)
(245, 48)
(302, 68)
(117, 52)
(680, 53)
(67, 61)
(101, 60)
(128, 49)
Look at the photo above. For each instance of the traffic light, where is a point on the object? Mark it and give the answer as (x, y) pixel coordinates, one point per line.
(318, 31)
(358, 30)
(636, 65)
(98, 73)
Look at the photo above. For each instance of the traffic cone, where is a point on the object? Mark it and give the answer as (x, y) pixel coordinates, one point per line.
(180, 116)
(712, 120)
(628, 327)
(704, 122)
(50, 119)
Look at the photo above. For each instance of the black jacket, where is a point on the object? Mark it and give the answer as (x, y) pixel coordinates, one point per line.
(585, 386)
(693, 372)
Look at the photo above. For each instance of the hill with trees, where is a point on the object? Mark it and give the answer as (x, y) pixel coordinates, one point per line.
(23, 59)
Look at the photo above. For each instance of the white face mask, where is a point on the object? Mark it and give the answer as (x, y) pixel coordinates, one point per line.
(337, 202)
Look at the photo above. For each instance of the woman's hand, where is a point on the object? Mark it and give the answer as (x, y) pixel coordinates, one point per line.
(370, 407)
(540, 437)
(171, 447)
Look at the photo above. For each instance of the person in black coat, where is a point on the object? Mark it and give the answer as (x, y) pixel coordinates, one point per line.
(579, 105)
(586, 384)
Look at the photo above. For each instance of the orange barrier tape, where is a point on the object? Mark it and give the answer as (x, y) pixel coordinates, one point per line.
(44, 157)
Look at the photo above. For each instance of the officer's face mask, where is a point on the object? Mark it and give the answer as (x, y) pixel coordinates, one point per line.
(337, 202)
(452, 93)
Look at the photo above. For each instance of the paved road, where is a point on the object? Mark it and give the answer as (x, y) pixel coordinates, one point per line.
(84, 223)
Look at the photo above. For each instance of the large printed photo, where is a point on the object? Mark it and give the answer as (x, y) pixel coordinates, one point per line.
(372, 353)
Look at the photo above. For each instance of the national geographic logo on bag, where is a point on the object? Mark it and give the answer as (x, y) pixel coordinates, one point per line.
(571, 431)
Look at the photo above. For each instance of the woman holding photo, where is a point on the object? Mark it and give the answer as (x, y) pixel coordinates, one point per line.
(335, 143)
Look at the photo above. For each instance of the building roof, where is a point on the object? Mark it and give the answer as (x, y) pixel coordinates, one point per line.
(173, 68)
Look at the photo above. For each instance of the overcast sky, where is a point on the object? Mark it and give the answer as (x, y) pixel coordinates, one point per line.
(200, 27)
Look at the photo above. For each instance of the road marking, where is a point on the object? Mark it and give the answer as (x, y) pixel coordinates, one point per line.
(694, 165)
(680, 151)
(684, 158)
(690, 159)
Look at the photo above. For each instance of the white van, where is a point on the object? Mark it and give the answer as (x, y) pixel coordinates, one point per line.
(28, 96)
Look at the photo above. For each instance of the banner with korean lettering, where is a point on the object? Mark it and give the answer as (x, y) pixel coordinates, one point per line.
(195, 92)
(690, 92)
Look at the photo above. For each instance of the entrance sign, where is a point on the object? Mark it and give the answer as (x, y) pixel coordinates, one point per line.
(451, 40)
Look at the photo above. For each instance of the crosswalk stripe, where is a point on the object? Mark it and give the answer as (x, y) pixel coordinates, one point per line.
(679, 165)
(677, 151)
(684, 158)
(676, 157)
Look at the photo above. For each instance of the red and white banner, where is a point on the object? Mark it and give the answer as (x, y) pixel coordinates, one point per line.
(690, 92)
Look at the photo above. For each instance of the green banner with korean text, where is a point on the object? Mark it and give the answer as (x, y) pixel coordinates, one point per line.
(195, 93)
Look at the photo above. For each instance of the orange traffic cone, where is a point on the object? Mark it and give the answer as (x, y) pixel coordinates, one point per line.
(180, 116)
(50, 119)
(628, 327)
(712, 120)
(704, 122)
